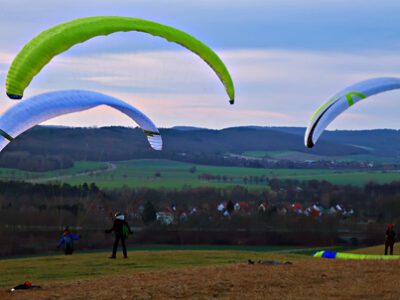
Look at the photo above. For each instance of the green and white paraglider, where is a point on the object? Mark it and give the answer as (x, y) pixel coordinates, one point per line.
(331, 109)
(53, 41)
(43, 107)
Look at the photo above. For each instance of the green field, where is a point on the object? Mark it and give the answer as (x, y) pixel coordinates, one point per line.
(79, 167)
(302, 156)
(172, 174)
(141, 173)
(288, 155)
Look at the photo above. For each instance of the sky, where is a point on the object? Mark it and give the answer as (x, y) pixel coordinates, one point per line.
(285, 57)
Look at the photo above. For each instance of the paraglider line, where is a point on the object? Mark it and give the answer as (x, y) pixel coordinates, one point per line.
(150, 133)
(14, 97)
(6, 135)
(310, 143)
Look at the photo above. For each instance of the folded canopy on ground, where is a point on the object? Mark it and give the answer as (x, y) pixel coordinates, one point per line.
(342, 255)
(331, 109)
(43, 107)
(53, 41)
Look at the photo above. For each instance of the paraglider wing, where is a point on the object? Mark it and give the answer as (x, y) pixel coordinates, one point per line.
(51, 42)
(40, 108)
(345, 255)
(331, 109)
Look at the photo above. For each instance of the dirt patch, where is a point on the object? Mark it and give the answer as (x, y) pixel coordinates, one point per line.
(306, 279)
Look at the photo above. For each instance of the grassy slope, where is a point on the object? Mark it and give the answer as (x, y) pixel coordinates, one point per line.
(91, 265)
(378, 249)
(205, 275)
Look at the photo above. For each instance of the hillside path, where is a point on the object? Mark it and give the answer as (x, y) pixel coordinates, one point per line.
(110, 167)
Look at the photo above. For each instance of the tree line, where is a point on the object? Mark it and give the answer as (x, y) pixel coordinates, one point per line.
(26, 207)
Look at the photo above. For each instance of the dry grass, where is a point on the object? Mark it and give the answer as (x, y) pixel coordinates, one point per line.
(304, 279)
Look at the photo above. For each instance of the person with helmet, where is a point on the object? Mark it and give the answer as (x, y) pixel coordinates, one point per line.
(67, 239)
(121, 230)
(390, 238)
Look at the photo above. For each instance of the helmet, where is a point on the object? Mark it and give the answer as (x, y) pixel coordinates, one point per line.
(120, 216)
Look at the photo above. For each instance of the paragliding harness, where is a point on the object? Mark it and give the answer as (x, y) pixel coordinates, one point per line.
(69, 248)
(390, 233)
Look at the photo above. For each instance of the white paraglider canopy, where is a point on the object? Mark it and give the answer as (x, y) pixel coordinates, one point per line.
(40, 108)
(331, 109)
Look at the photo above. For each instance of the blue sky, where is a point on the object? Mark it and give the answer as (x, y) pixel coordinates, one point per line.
(286, 57)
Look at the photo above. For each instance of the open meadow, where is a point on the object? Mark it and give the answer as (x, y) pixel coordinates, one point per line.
(158, 173)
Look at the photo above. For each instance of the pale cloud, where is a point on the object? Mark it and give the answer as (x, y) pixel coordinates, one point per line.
(175, 87)
(6, 58)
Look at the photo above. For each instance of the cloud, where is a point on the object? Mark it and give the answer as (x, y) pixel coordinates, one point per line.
(6, 58)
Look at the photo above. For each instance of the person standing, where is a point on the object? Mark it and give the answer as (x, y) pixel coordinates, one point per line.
(67, 239)
(121, 230)
(390, 238)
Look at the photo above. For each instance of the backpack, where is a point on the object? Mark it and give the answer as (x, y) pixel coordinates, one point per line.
(125, 230)
(390, 234)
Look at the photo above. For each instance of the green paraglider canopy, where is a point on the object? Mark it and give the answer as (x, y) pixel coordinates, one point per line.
(53, 41)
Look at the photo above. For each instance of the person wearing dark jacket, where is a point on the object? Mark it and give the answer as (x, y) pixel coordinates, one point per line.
(121, 230)
(390, 238)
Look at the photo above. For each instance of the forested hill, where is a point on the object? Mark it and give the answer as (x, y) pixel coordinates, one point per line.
(120, 143)
(381, 142)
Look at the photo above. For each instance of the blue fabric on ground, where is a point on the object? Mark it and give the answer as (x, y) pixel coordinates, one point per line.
(329, 254)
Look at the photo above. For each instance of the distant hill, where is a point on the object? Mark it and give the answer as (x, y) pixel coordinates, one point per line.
(120, 143)
(187, 128)
(381, 142)
(51, 146)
